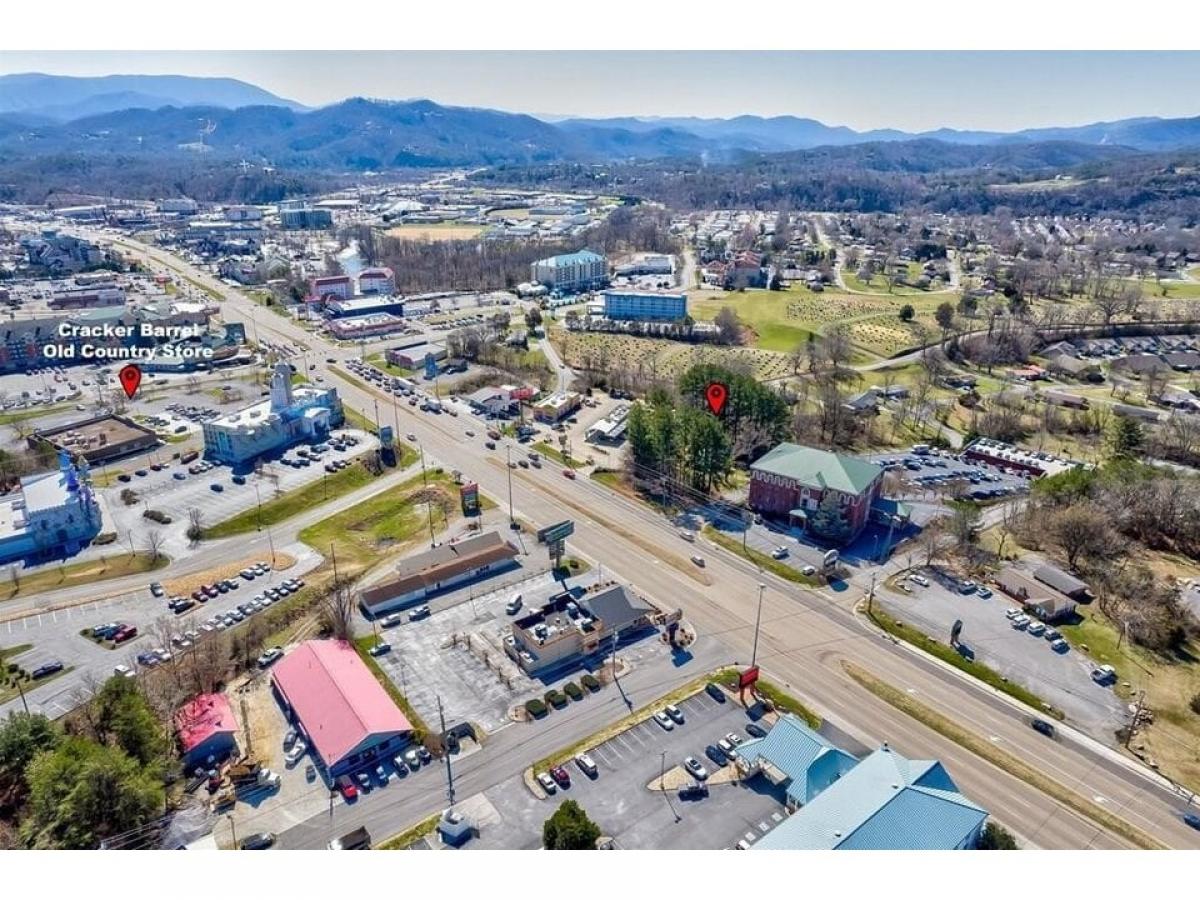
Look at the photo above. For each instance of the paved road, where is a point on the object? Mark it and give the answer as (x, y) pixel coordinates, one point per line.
(806, 636)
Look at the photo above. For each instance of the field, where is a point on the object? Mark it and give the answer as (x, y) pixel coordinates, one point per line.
(879, 284)
(782, 320)
(1170, 289)
(446, 231)
(512, 212)
(662, 358)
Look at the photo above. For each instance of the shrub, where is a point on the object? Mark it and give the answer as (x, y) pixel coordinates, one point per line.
(556, 698)
(590, 682)
(573, 690)
(1196, 704)
(535, 708)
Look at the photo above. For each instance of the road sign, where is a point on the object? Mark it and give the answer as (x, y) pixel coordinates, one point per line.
(748, 678)
(387, 436)
(556, 533)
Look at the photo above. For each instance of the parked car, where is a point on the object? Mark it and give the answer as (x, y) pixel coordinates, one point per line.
(1037, 629)
(808, 570)
(561, 776)
(779, 552)
(290, 738)
(674, 712)
(419, 613)
(156, 589)
(714, 690)
(696, 790)
(413, 759)
(716, 754)
(347, 788)
(270, 657)
(547, 782)
(364, 781)
(380, 648)
(513, 605)
(297, 752)
(919, 579)
(46, 669)
(123, 671)
(587, 765)
(734, 738)
(756, 730)
(695, 768)
(664, 720)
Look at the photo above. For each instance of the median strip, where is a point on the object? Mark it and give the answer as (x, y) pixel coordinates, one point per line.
(1001, 759)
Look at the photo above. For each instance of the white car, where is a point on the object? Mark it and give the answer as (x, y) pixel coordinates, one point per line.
(1011, 613)
(380, 649)
(695, 769)
(808, 570)
(1037, 629)
(547, 782)
(297, 752)
(124, 671)
(270, 657)
(779, 552)
(664, 720)
(513, 605)
(1021, 622)
(391, 620)
(919, 579)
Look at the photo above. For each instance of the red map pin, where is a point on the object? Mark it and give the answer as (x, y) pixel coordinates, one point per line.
(130, 377)
(716, 394)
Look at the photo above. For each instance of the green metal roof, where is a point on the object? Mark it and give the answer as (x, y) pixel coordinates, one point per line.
(819, 469)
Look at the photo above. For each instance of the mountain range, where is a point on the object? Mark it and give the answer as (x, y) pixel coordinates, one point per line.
(167, 115)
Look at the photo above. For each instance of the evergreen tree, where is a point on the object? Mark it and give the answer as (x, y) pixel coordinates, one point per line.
(570, 829)
(994, 837)
(1125, 438)
(828, 521)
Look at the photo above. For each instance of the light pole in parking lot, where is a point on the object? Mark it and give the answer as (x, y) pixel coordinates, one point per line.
(512, 520)
(661, 783)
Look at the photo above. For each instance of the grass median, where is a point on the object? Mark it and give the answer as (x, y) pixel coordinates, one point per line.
(292, 503)
(1002, 759)
(70, 575)
(558, 456)
(410, 836)
(948, 654)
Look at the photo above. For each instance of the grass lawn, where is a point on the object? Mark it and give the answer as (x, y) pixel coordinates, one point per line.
(21, 415)
(384, 522)
(69, 575)
(766, 312)
(410, 836)
(277, 509)
(364, 644)
(1002, 759)
(8, 682)
(1170, 290)
(780, 699)
(356, 420)
(1173, 740)
(762, 560)
(948, 654)
(551, 453)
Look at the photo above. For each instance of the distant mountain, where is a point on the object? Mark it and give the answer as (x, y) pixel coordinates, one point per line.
(781, 133)
(63, 98)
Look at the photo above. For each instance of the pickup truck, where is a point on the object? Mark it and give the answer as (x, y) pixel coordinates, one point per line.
(358, 839)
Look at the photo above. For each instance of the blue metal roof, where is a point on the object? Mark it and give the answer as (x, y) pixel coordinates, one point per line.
(886, 802)
(567, 259)
(810, 761)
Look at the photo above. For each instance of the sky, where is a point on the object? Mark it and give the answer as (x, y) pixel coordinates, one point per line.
(913, 91)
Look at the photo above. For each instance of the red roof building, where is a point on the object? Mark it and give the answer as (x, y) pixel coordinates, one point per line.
(207, 728)
(346, 716)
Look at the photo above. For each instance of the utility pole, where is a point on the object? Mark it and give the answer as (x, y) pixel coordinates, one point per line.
(662, 775)
(871, 595)
(512, 519)
(428, 502)
(757, 623)
(446, 754)
(233, 831)
(21, 691)
(333, 556)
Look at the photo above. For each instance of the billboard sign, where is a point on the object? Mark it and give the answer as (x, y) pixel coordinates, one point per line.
(387, 436)
(431, 367)
(555, 533)
(831, 559)
(468, 496)
(748, 678)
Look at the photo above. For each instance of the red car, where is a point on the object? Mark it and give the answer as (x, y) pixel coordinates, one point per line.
(347, 787)
(559, 774)
(125, 634)
(570, 473)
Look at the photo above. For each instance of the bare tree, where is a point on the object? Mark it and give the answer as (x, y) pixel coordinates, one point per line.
(337, 611)
(195, 530)
(154, 539)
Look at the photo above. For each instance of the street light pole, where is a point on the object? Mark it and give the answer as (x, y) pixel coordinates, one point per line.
(661, 783)
(757, 623)
(508, 452)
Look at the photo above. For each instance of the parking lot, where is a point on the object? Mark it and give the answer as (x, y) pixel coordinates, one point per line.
(620, 799)
(1062, 678)
(927, 471)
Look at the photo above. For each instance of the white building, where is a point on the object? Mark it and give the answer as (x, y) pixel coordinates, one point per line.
(52, 515)
(570, 273)
(292, 414)
(378, 280)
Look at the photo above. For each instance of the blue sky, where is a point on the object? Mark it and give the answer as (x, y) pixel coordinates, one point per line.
(862, 89)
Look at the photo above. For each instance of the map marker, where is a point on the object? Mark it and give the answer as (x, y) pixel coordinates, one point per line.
(130, 377)
(716, 394)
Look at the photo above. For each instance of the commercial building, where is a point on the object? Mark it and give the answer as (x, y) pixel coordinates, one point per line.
(644, 306)
(340, 286)
(51, 515)
(792, 481)
(491, 402)
(796, 758)
(568, 629)
(556, 406)
(1040, 599)
(307, 218)
(291, 414)
(649, 264)
(439, 569)
(361, 306)
(377, 280)
(414, 356)
(352, 328)
(1063, 582)
(207, 730)
(570, 273)
(343, 714)
(55, 253)
(1033, 463)
(885, 802)
(611, 429)
(183, 206)
(98, 439)
(87, 297)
